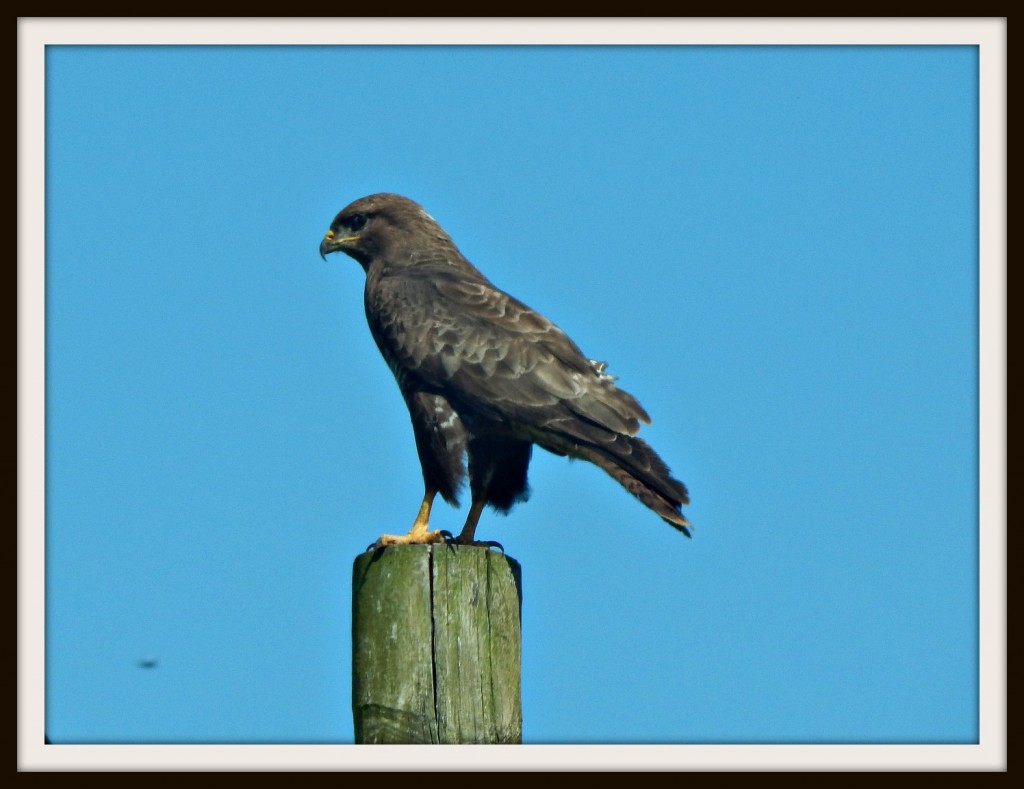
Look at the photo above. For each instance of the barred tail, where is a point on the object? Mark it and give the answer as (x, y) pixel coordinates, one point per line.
(636, 466)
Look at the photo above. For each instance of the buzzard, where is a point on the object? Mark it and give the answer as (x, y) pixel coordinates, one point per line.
(484, 376)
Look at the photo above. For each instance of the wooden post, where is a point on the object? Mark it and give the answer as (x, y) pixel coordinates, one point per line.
(435, 645)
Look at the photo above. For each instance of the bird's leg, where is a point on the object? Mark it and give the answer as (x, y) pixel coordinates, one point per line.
(466, 537)
(419, 533)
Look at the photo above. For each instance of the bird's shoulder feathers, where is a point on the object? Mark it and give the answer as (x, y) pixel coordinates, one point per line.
(487, 351)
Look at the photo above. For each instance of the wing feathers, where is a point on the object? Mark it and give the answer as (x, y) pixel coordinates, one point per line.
(490, 355)
(495, 353)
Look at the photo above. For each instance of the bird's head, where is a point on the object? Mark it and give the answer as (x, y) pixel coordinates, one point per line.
(380, 225)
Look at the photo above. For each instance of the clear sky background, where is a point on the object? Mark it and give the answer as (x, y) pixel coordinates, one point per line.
(774, 248)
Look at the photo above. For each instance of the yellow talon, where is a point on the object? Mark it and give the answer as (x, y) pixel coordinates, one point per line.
(418, 534)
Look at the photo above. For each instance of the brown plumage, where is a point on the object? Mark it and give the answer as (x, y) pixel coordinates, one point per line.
(483, 375)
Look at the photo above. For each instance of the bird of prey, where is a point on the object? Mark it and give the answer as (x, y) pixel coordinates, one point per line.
(484, 376)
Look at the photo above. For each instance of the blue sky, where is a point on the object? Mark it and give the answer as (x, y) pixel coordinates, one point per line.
(775, 248)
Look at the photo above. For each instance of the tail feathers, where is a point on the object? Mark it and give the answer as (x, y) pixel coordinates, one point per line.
(634, 465)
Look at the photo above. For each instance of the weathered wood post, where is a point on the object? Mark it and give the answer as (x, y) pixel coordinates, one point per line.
(436, 645)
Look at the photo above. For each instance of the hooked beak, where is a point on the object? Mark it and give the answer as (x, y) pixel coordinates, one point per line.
(328, 245)
(335, 241)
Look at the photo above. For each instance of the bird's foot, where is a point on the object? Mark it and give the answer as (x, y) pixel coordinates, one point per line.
(414, 537)
(478, 543)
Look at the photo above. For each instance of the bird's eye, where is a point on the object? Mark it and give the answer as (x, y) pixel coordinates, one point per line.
(355, 222)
